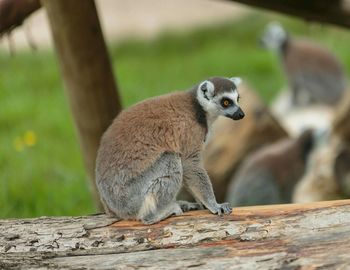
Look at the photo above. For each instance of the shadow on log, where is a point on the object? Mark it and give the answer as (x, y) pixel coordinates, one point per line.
(268, 237)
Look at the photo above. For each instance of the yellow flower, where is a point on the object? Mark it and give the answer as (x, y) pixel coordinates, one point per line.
(29, 138)
(18, 144)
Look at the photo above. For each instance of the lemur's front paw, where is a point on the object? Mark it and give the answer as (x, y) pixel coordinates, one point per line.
(223, 208)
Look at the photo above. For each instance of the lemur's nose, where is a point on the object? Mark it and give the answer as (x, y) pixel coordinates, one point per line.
(240, 114)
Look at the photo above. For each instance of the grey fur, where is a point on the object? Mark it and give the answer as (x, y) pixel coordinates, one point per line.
(197, 182)
(162, 180)
(248, 190)
(309, 88)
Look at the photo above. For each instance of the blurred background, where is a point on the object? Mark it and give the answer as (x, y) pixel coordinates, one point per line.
(158, 46)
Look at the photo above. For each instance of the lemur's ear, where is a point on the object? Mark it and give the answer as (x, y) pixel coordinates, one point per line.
(207, 88)
(236, 80)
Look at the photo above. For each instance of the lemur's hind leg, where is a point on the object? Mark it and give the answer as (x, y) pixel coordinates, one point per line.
(164, 180)
(107, 210)
(163, 213)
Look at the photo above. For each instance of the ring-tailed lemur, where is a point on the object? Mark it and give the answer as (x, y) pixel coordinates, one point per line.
(154, 148)
(315, 75)
(270, 174)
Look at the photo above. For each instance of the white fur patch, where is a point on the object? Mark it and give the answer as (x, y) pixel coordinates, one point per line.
(274, 36)
(149, 205)
(207, 105)
(231, 95)
(210, 87)
(236, 80)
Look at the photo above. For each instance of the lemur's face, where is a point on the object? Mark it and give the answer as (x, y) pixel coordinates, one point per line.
(274, 36)
(219, 96)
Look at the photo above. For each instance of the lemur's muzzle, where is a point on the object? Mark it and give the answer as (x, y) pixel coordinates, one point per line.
(239, 114)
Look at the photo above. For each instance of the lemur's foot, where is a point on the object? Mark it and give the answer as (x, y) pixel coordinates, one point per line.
(223, 208)
(189, 206)
(154, 217)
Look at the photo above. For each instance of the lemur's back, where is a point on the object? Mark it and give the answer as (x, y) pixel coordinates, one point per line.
(304, 54)
(315, 69)
(142, 133)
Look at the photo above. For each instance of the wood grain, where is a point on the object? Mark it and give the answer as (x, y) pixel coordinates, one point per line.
(293, 236)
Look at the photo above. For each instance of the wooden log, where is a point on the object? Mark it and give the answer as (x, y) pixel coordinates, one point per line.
(86, 70)
(306, 236)
(334, 12)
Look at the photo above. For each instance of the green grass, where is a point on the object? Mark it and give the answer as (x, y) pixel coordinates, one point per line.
(48, 178)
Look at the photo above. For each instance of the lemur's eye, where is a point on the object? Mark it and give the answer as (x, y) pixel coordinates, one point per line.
(225, 102)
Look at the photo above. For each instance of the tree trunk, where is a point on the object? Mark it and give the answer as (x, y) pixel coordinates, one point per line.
(306, 236)
(86, 70)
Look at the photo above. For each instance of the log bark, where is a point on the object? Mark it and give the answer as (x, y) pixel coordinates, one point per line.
(86, 70)
(306, 236)
(334, 12)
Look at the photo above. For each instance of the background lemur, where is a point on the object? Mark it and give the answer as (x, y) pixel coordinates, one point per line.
(315, 75)
(269, 175)
(154, 148)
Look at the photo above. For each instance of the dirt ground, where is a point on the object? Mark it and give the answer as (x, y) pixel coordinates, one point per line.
(122, 19)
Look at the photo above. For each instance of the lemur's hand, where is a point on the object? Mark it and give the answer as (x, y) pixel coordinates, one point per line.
(223, 208)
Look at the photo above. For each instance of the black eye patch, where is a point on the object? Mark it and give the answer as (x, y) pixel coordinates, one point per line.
(226, 102)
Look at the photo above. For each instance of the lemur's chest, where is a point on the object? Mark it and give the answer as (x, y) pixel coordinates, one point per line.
(192, 140)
